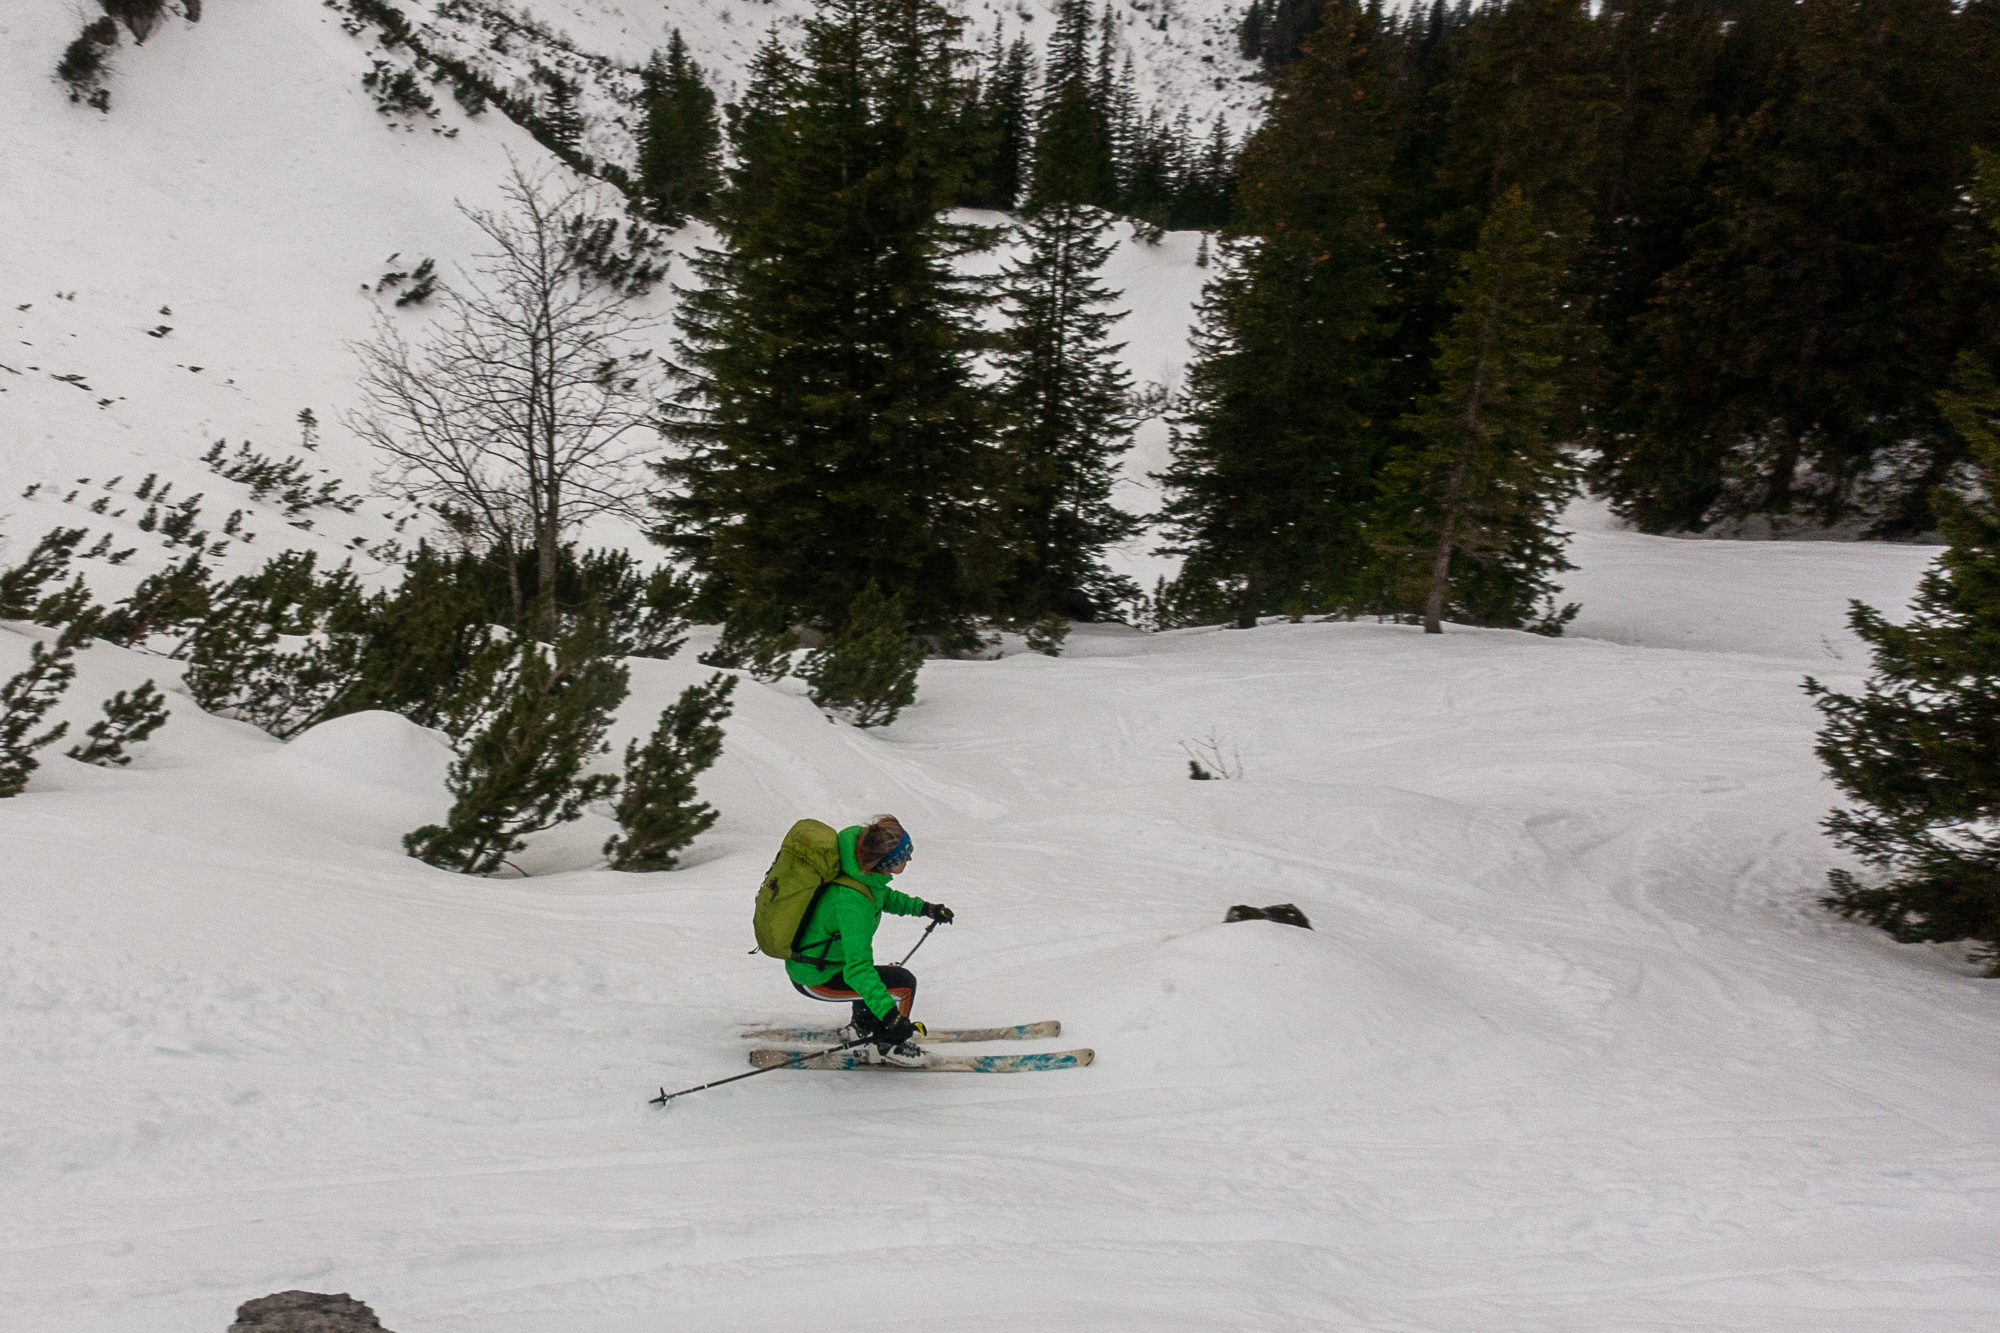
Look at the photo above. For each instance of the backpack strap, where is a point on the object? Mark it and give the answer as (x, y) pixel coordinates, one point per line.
(812, 907)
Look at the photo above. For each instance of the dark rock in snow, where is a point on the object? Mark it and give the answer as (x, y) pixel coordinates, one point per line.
(1282, 913)
(305, 1312)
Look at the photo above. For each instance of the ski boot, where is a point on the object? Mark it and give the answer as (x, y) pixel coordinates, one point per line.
(879, 1049)
(857, 1029)
(904, 1054)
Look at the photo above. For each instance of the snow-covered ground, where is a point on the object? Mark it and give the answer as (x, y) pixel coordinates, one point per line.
(1570, 1048)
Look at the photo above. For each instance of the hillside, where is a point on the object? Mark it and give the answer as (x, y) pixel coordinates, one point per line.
(1570, 1046)
(192, 266)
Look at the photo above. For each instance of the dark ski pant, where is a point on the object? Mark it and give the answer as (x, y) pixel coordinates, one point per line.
(899, 981)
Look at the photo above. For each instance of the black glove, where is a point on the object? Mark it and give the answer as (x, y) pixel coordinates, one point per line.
(893, 1029)
(938, 912)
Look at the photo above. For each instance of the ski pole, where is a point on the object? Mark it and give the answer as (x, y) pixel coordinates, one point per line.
(795, 1061)
(920, 943)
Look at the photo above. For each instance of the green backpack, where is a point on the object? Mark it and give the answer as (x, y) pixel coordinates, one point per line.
(807, 862)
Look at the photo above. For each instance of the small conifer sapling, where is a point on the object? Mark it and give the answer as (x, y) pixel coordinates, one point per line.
(521, 769)
(658, 813)
(868, 669)
(21, 585)
(128, 719)
(25, 700)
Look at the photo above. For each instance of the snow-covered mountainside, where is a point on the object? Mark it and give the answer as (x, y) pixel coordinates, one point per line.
(1570, 1046)
(1184, 55)
(192, 266)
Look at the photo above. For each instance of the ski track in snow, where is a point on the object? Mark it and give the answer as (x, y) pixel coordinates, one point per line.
(1570, 1048)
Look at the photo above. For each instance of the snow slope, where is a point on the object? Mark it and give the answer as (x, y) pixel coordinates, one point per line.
(240, 194)
(1569, 1048)
(245, 195)
(1770, 598)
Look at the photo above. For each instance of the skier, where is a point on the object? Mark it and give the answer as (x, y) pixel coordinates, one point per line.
(834, 955)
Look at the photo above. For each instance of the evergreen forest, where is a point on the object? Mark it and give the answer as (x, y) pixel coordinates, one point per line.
(1714, 261)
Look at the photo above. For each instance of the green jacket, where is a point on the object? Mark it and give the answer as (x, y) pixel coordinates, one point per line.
(844, 923)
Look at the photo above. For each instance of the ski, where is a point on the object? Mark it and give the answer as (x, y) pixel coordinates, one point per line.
(942, 1064)
(933, 1037)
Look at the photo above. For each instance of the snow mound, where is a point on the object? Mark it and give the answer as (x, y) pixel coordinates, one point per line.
(374, 749)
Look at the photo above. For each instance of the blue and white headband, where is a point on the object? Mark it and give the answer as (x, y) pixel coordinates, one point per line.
(897, 854)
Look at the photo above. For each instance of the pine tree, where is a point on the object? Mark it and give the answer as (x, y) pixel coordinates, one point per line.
(1124, 121)
(1287, 26)
(521, 767)
(1250, 33)
(1977, 36)
(1972, 405)
(1103, 83)
(1150, 187)
(1063, 404)
(1800, 346)
(128, 719)
(1276, 451)
(1919, 751)
(85, 63)
(1485, 476)
(833, 427)
(1655, 147)
(1527, 102)
(868, 668)
(1528, 108)
(657, 810)
(1073, 149)
(1003, 129)
(1203, 199)
(1423, 219)
(681, 145)
(22, 595)
(26, 699)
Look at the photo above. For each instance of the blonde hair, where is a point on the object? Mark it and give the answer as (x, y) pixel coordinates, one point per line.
(878, 836)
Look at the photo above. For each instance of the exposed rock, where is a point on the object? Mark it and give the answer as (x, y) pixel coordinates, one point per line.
(1283, 913)
(305, 1312)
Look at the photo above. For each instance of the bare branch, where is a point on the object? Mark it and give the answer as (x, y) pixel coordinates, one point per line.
(529, 405)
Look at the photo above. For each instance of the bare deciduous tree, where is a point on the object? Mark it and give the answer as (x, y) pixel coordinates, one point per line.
(525, 409)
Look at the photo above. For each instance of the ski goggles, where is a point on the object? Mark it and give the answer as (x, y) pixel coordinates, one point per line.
(898, 855)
